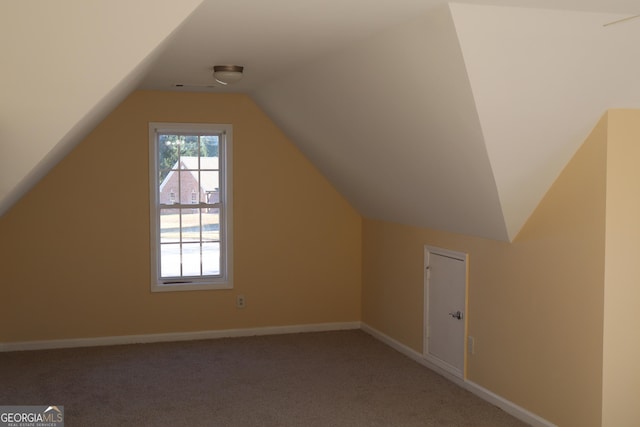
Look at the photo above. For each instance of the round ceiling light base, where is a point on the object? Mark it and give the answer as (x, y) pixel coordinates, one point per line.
(227, 74)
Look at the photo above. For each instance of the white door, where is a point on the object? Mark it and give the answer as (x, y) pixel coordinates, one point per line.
(445, 296)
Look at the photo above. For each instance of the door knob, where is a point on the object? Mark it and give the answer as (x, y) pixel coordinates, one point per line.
(458, 315)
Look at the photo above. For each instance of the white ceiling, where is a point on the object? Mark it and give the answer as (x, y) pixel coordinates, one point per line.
(391, 122)
(457, 117)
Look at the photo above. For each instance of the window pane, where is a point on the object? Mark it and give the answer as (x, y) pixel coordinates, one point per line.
(191, 259)
(210, 225)
(169, 225)
(168, 189)
(189, 184)
(209, 146)
(190, 225)
(211, 258)
(210, 186)
(189, 152)
(170, 260)
(168, 147)
(190, 146)
(168, 151)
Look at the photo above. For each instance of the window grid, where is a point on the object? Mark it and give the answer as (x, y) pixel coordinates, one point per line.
(210, 231)
(181, 209)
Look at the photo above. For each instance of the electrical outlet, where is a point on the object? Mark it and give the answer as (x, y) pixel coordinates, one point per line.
(471, 345)
(240, 302)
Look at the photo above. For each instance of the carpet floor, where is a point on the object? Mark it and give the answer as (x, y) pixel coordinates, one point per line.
(343, 378)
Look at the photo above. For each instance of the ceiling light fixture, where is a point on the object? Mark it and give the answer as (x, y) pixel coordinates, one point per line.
(227, 74)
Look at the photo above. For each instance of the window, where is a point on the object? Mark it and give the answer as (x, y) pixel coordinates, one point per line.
(191, 206)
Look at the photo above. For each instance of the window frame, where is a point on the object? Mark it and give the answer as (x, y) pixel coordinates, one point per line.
(225, 165)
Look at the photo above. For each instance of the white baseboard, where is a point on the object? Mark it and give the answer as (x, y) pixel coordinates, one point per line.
(175, 336)
(411, 353)
(507, 406)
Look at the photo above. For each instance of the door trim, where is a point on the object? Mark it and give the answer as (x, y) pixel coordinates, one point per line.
(461, 256)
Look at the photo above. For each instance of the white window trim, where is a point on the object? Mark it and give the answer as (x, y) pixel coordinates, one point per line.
(225, 281)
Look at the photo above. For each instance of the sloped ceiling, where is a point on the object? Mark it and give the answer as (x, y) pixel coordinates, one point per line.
(452, 116)
(541, 80)
(65, 65)
(392, 123)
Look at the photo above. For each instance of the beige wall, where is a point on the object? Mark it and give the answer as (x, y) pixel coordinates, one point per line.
(621, 375)
(75, 250)
(535, 305)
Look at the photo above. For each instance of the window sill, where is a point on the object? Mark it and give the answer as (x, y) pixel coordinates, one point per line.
(198, 286)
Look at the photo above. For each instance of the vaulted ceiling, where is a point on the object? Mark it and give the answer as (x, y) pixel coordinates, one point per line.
(456, 116)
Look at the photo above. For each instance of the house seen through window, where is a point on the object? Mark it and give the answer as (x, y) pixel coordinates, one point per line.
(191, 206)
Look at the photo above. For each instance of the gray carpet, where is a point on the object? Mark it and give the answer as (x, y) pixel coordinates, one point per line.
(344, 378)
